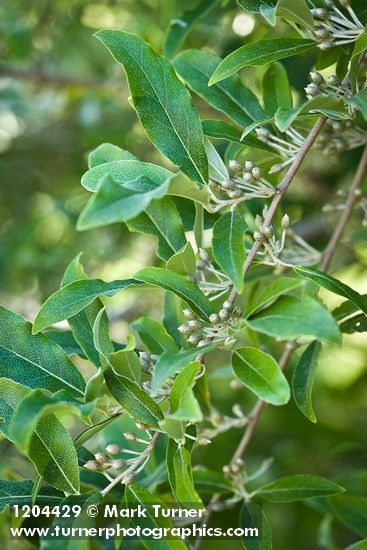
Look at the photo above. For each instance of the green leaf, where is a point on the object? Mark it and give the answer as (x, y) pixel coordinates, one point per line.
(302, 380)
(232, 97)
(51, 448)
(20, 492)
(183, 403)
(87, 434)
(360, 545)
(261, 374)
(35, 360)
(217, 169)
(295, 11)
(276, 89)
(161, 219)
(181, 186)
(183, 261)
(352, 511)
(289, 318)
(229, 246)
(218, 129)
(136, 495)
(66, 341)
(272, 291)
(180, 474)
(298, 487)
(125, 362)
(134, 400)
(332, 284)
(158, 95)
(255, 5)
(252, 515)
(183, 382)
(179, 285)
(181, 26)
(259, 53)
(93, 388)
(117, 202)
(359, 99)
(357, 323)
(209, 481)
(82, 323)
(101, 336)
(172, 362)
(107, 152)
(37, 405)
(74, 297)
(328, 105)
(154, 335)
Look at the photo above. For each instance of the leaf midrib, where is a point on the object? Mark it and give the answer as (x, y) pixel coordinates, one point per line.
(166, 111)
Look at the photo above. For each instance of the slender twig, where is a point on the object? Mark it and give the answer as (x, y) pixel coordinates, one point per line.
(353, 197)
(125, 475)
(49, 79)
(280, 191)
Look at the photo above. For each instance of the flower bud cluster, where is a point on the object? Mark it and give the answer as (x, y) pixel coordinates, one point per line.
(340, 135)
(147, 361)
(327, 87)
(287, 146)
(217, 331)
(287, 250)
(103, 460)
(336, 24)
(211, 281)
(234, 469)
(246, 181)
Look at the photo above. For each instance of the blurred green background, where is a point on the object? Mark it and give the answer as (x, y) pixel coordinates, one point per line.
(61, 95)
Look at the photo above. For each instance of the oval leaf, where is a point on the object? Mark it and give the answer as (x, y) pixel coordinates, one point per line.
(158, 95)
(259, 53)
(302, 379)
(261, 374)
(298, 487)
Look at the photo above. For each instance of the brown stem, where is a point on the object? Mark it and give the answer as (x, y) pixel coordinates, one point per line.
(55, 80)
(280, 191)
(353, 197)
(130, 471)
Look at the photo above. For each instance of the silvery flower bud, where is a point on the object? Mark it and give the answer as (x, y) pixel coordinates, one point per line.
(345, 3)
(263, 133)
(214, 318)
(204, 255)
(118, 464)
(259, 237)
(130, 436)
(203, 441)
(114, 449)
(237, 312)
(203, 342)
(224, 314)
(92, 465)
(285, 222)
(313, 89)
(326, 45)
(320, 14)
(142, 426)
(234, 166)
(256, 172)
(194, 339)
(317, 78)
(184, 329)
(247, 176)
(229, 186)
(101, 457)
(227, 304)
(189, 314)
(249, 165)
(226, 470)
(195, 324)
(333, 80)
(235, 194)
(144, 356)
(276, 168)
(200, 265)
(322, 34)
(267, 231)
